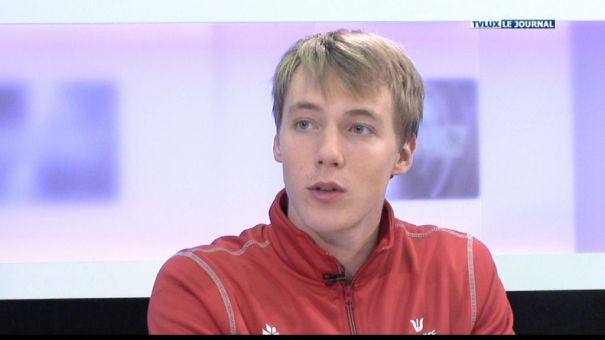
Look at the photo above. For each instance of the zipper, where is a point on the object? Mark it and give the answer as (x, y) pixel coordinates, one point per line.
(332, 279)
(348, 286)
(349, 303)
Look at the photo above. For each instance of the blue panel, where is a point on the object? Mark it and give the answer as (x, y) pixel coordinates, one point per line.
(12, 136)
(446, 164)
(78, 161)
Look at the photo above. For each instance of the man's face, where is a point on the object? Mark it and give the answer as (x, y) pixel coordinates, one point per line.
(338, 153)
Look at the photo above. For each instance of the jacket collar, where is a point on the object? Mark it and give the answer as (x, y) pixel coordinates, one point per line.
(300, 252)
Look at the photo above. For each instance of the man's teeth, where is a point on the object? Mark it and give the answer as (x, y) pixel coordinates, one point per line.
(326, 189)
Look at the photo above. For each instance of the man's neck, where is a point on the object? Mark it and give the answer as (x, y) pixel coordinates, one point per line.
(351, 248)
(351, 245)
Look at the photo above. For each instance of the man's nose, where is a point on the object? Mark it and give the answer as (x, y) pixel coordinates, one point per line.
(329, 151)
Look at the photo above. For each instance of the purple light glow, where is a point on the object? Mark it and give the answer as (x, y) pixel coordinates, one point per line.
(186, 134)
(589, 119)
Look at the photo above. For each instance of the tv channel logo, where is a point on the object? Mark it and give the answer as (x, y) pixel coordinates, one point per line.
(514, 24)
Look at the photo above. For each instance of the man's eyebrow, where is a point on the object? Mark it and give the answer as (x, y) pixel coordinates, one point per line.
(304, 106)
(364, 113)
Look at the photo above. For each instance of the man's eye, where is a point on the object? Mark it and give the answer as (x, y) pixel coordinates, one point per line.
(303, 125)
(360, 129)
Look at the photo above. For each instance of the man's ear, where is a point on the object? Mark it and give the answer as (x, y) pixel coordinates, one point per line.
(406, 156)
(277, 148)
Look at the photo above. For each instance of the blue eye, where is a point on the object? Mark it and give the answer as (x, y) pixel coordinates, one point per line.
(303, 125)
(360, 129)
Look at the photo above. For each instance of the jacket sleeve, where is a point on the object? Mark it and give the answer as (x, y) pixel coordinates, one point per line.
(185, 300)
(493, 311)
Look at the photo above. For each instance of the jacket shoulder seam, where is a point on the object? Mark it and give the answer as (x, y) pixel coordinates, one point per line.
(239, 252)
(432, 230)
(219, 284)
(471, 280)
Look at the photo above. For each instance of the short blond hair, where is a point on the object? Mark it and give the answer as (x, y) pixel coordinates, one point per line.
(363, 62)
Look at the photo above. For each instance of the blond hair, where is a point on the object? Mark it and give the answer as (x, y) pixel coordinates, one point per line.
(363, 62)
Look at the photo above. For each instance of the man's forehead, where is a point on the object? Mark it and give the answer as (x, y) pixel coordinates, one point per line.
(305, 86)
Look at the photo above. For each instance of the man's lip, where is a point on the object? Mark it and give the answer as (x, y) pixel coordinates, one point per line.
(337, 187)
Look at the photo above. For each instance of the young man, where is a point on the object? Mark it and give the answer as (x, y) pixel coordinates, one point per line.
(334, 260)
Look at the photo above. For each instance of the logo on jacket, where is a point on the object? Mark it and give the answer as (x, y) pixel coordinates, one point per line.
(418, 325)
(270, 330)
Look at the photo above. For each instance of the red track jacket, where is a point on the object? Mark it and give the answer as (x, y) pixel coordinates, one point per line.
(274, 279)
